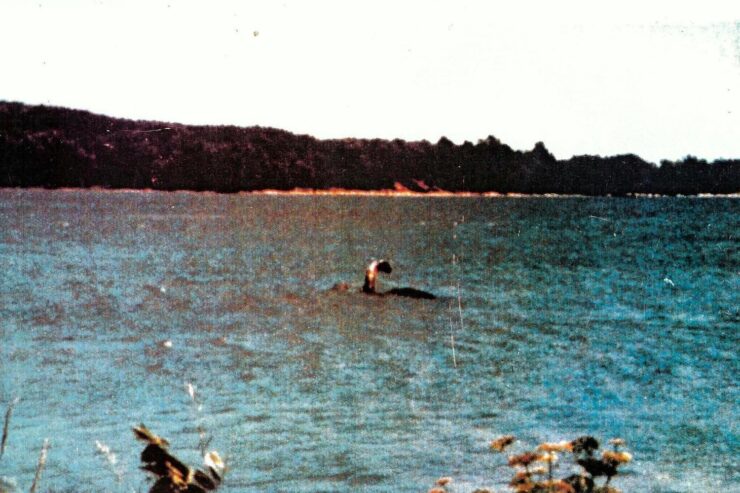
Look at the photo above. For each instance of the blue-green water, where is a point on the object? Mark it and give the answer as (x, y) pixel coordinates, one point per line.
(612, 317)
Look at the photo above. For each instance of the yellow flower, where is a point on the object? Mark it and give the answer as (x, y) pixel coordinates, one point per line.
(443, 481)
(616, 457)
(558, 486)
(143, 433)
(550, 457)
(609, 489)
(556, 447)
(502, 442)
(524, 459)
(521, 481)
(524, 488)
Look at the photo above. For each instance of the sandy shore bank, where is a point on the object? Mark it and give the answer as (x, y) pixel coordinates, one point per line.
(397, 192)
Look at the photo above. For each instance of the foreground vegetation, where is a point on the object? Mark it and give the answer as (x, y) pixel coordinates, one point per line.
(54, 147)
(534, 470)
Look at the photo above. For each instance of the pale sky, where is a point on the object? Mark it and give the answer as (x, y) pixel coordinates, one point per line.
(657, 78)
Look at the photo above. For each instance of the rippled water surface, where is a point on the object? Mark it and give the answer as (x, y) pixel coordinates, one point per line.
(612, 317)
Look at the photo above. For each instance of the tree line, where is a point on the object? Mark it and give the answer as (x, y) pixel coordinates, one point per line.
(53, 147)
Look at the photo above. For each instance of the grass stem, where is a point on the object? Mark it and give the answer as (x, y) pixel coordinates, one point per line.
(6, 426)
(40, 466)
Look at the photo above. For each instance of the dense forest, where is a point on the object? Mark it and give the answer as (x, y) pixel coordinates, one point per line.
(52, 147)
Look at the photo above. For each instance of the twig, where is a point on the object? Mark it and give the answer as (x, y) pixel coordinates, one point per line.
(203, 439)
(452, 325)
(462, 326)
(111, 458)
(452, 340)
(6, 426)
(459, 306)
(40, 466)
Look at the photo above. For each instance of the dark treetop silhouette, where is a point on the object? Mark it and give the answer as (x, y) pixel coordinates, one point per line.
(55, 147)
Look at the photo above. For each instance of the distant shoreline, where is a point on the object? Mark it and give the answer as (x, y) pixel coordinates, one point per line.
(56, 148)
(301, 192)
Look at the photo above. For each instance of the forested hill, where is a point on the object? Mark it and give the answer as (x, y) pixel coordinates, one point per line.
(55, 147)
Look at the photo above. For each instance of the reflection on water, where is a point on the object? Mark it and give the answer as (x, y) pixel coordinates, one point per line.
(613, 317)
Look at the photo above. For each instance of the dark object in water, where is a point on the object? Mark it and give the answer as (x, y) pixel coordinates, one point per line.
(411, 293)
(371, 275)
(173, 476)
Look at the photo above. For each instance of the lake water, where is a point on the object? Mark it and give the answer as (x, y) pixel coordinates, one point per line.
(555, 318)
